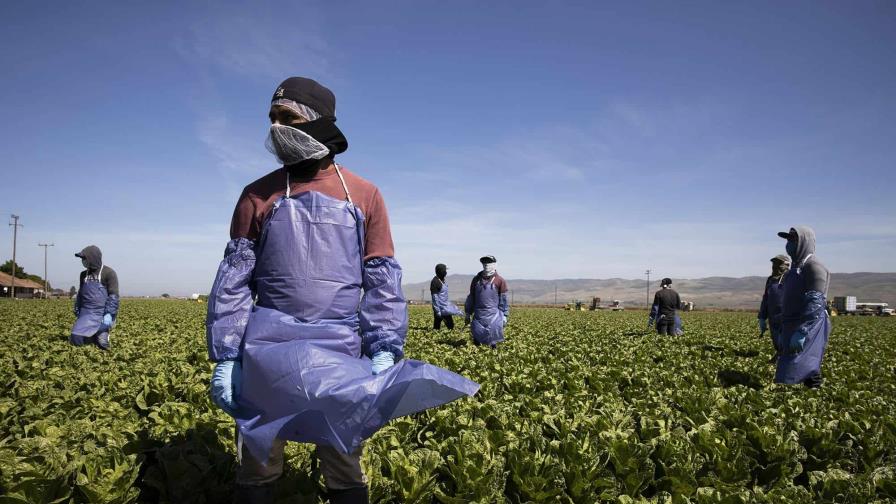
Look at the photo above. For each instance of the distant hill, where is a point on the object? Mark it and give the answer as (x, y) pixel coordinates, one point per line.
(710, 292)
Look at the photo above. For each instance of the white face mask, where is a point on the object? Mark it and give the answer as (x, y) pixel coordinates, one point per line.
(292, 145)
(489, 269)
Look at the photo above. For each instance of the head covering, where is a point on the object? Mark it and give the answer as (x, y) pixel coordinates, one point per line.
(441, 271)
(307, 92)
(92, 255)
(805, 243)
(488, 259)
(321, 100)
(665, 282)
(780, 265)
(781, 258)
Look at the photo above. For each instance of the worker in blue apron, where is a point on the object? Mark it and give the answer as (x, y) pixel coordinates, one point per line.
(443, 310)
(486, 306)
(771, 309)
(806, 326)
(97, 302)
(308, 336)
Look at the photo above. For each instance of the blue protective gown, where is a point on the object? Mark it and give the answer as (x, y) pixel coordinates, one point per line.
(485, 304)
(442, 305)
(91, 304)
(301, 343)
(805, 322)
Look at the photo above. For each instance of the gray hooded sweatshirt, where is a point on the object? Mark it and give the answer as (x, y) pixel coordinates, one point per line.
(815, 276)
(94, 258)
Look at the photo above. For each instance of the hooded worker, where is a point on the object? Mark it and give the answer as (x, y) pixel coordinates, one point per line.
(442, 307)
(770, 310)
(486, 306)
(306, 318)
(96, 305)
(664, 311)
(805, 326)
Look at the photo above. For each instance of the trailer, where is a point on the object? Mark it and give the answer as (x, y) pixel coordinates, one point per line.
(845, 305)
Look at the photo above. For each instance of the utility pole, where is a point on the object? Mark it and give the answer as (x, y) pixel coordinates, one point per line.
(15, 233)
(648, 289)
(511, 297)
(422, 296)
(46, 282)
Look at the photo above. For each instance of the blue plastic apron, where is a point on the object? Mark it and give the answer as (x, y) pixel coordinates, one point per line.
(445, 306)
(303, 376)
(488, 322)
(797, 367)
(92, 305)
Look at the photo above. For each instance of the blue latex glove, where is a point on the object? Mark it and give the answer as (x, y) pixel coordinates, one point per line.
(504, 322)
(107, 322)
(649, 321)
(763, 326)
(77, 311)
(382, 361)
(227, 381)
(797, 341)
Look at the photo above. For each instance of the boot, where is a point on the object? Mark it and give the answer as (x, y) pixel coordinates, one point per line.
(357, 495)
(252, 494)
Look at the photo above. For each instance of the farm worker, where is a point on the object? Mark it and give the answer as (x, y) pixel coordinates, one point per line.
(487, 304)
(805, 323)
(306, 319)
(442, 307)
(665, 308)
(96, 305)
(770, 315)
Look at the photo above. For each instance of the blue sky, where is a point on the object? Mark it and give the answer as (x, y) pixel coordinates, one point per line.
(569, 139)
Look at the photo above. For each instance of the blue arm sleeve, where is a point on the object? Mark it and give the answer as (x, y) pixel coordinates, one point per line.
(384, 311)
(230, 301)
(112, 303)
(468, 305)
(813, 310)
(654, 311)
(763, 307)
(503, 305)
(435, 305)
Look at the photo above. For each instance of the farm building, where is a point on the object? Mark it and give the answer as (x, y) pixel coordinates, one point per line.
(24, 288)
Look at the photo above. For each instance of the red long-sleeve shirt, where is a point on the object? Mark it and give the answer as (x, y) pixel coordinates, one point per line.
(259, 197)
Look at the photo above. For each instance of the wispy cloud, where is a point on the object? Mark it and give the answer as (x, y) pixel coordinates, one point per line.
(258, 43)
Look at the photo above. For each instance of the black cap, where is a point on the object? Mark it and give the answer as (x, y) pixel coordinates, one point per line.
(781, 258)
(488, 259)
(307, 92)
(666, 281)
(788, 235)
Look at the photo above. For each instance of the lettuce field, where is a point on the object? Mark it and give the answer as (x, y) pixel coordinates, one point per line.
(576, 407)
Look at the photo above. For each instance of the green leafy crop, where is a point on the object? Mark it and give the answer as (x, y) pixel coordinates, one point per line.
(576, 407)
